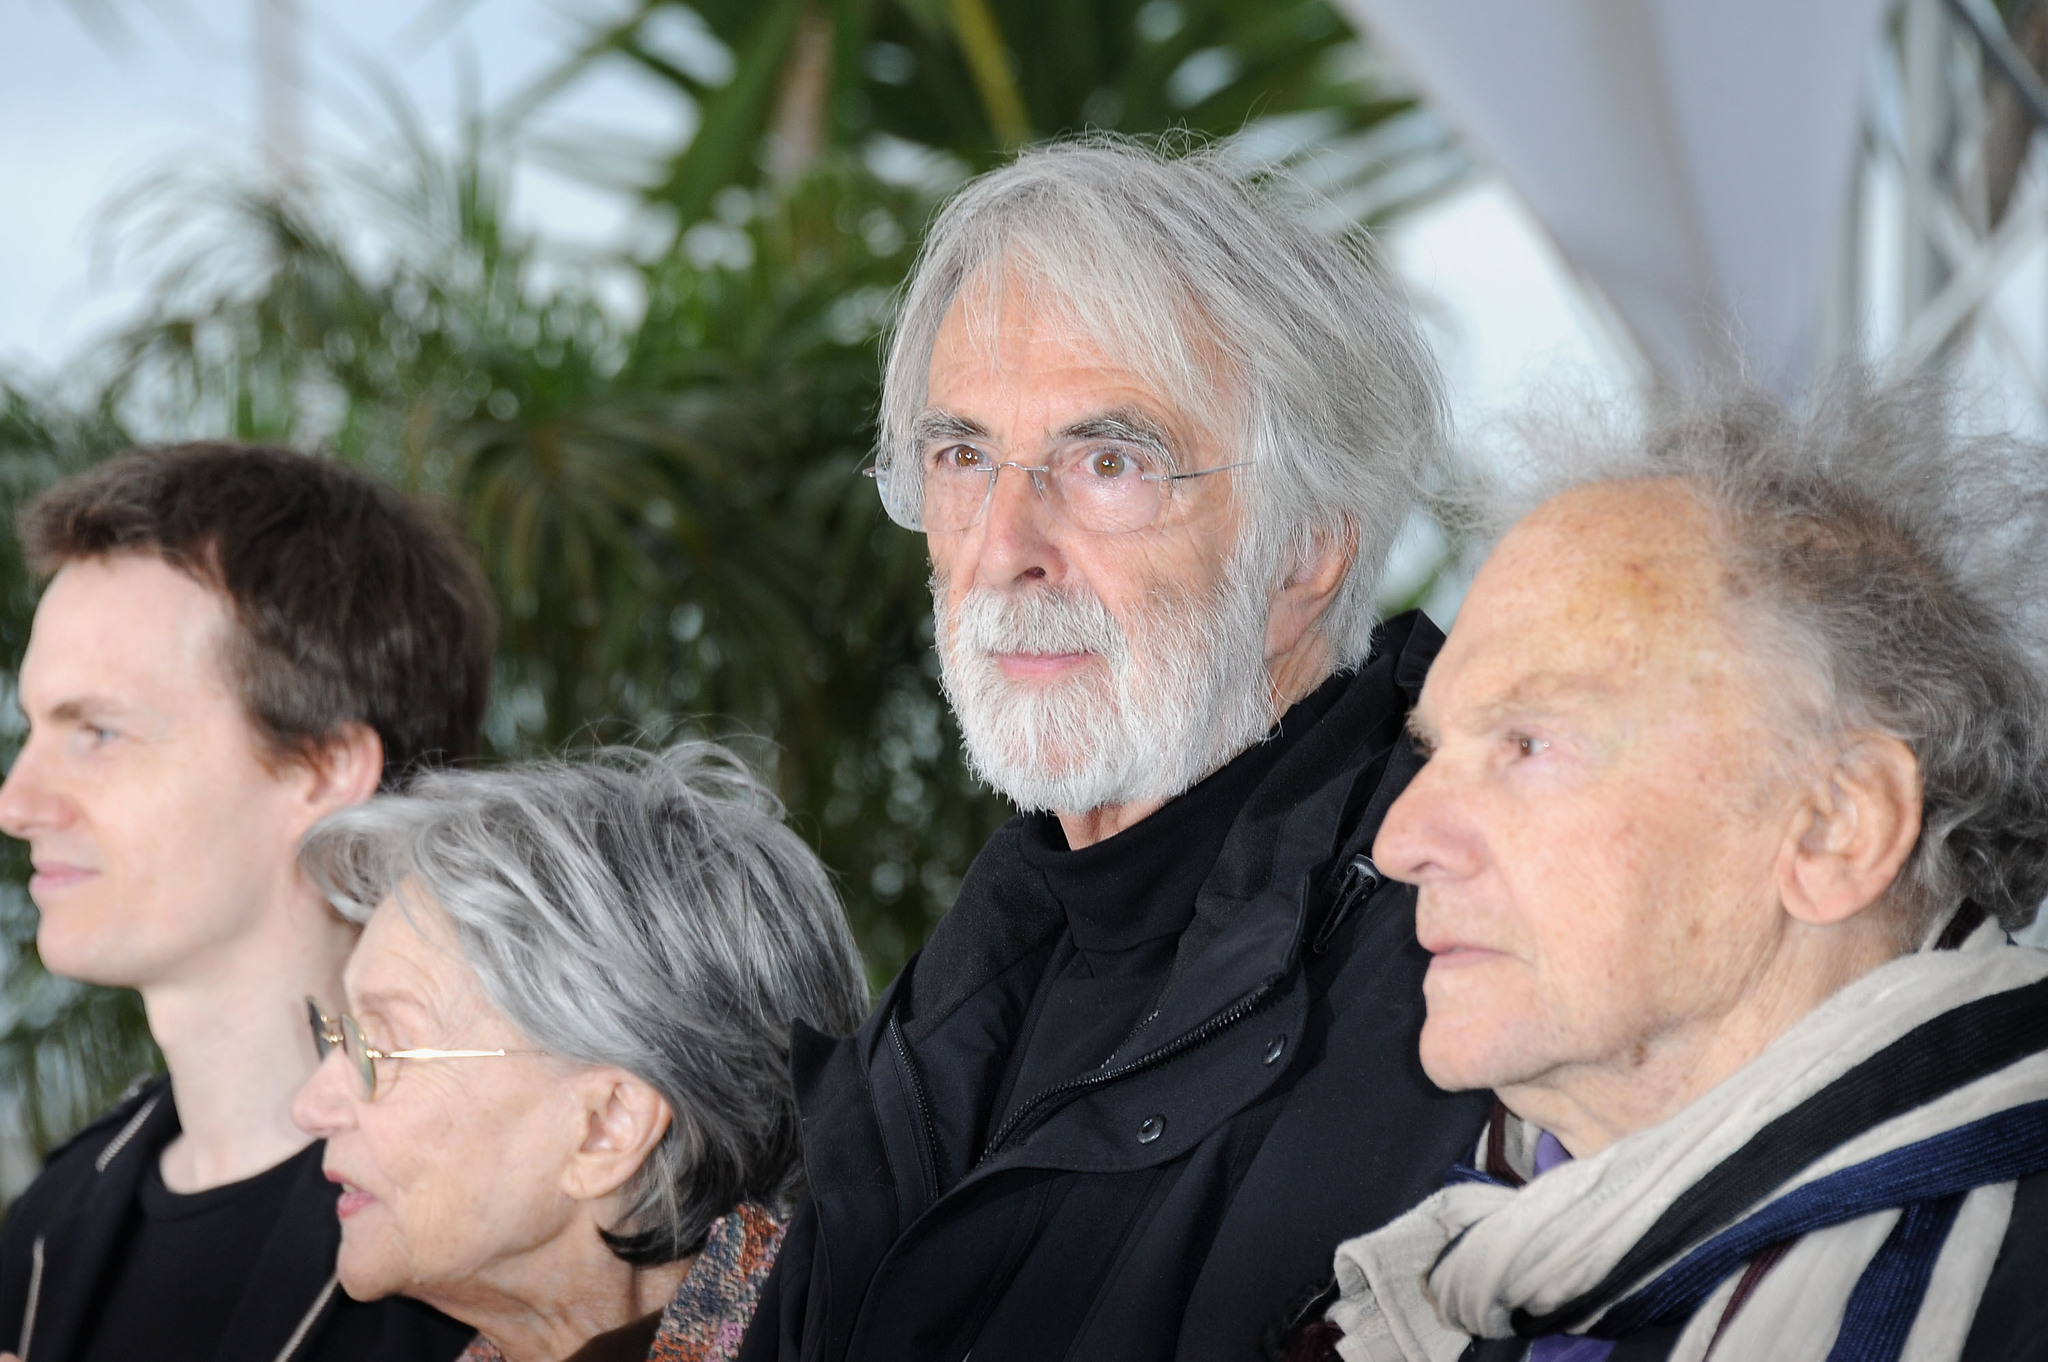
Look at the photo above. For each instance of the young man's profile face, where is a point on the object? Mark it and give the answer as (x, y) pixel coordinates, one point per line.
(156, 832)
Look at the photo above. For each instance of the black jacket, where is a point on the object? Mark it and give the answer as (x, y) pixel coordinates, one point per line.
(61, 1235)
(1187, 1196)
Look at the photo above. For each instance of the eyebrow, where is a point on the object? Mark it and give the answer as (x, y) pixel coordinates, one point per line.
(1543, 692)
(1127, 425)
(1537, 693)
(87, 707)
(384, 999)
(933, 424)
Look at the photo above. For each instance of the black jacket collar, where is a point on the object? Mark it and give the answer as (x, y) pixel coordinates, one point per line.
(290, 1290)
(72, 1263)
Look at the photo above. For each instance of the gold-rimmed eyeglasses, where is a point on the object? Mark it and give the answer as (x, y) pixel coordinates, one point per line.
(330, 1033)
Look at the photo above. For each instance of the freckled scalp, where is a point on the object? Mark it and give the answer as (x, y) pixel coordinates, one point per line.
(1885, 566)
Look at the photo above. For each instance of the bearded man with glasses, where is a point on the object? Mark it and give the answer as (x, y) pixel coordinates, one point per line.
(1160, 431)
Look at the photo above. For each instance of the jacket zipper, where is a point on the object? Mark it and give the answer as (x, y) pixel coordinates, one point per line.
(928, 1145)
(1222, 1021)
(291, 1345)
(1361, 878)
(35, 1291)
(120, 1141)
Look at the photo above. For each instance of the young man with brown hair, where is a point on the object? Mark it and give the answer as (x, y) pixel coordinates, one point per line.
(234, 642)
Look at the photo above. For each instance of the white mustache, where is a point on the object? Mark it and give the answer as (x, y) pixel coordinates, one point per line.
(1047, 621)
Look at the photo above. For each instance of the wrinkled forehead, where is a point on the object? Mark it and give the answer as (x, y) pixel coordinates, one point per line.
(408, 950)
(1144, 324)
(1618, 586)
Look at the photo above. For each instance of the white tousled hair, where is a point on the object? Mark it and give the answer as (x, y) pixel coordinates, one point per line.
(649, 911)
(1893, 569)
(1178, 267)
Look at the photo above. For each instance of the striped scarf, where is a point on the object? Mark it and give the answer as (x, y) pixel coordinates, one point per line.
(1852, 1185)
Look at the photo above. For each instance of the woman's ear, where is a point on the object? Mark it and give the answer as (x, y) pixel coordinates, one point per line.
(623, 1120)
(1853, 834)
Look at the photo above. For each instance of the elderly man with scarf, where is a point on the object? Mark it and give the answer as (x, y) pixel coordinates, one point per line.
(1159, 430)
(1737, 777)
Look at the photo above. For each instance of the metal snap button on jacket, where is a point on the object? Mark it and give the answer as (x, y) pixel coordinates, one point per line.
(1151, 1128)
(1274, 1047)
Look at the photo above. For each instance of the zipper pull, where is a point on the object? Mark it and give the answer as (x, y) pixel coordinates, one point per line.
(1361, 878)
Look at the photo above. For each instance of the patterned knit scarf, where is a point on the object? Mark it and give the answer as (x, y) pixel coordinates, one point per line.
(707, 1317)
(1871, 1150)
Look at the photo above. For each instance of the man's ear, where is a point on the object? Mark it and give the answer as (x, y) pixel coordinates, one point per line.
(1305, 593)
(623, 1120)
(343, 770)
(1854, 832)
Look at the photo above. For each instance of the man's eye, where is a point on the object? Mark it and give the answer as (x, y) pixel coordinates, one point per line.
(962, 459)
(1116, 462)
(1528, 746)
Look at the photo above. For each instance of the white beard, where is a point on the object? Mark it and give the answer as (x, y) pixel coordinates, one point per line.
(1175, 696)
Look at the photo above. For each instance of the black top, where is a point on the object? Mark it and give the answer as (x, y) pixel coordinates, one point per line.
(1127, 900)
(175, 1282)
(70, 1255)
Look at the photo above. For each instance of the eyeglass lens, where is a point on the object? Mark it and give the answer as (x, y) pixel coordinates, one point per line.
(1104, 491)
(349, 1036)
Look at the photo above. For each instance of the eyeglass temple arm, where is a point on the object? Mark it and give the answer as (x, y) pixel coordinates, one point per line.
(445, 1054)
(1205, 472)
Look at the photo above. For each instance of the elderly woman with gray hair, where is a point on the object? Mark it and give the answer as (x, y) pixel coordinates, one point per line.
(557, 1099)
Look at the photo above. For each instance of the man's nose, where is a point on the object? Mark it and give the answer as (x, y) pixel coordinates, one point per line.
(1015, 542)
(1418, 840)
(325, 1102)
(27, 801)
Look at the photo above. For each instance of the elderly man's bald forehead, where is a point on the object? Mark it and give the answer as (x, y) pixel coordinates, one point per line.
(1626, 523)
(1608, 608)
(1637, 565)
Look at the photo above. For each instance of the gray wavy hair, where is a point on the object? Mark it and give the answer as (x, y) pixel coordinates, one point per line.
(645, 910)
(1904, 566)
(1169, 262)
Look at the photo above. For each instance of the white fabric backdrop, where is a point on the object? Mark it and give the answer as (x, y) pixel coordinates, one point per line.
(1689, 157)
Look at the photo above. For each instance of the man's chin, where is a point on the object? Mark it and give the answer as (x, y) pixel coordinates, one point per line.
(73, 950)
(1461, 1054)
(1039, 789)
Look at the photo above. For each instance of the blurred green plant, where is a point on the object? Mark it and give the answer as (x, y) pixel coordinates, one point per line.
(665, 494)
(776, 84)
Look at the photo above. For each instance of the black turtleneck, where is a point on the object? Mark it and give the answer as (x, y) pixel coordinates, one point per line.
(1128, 898)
